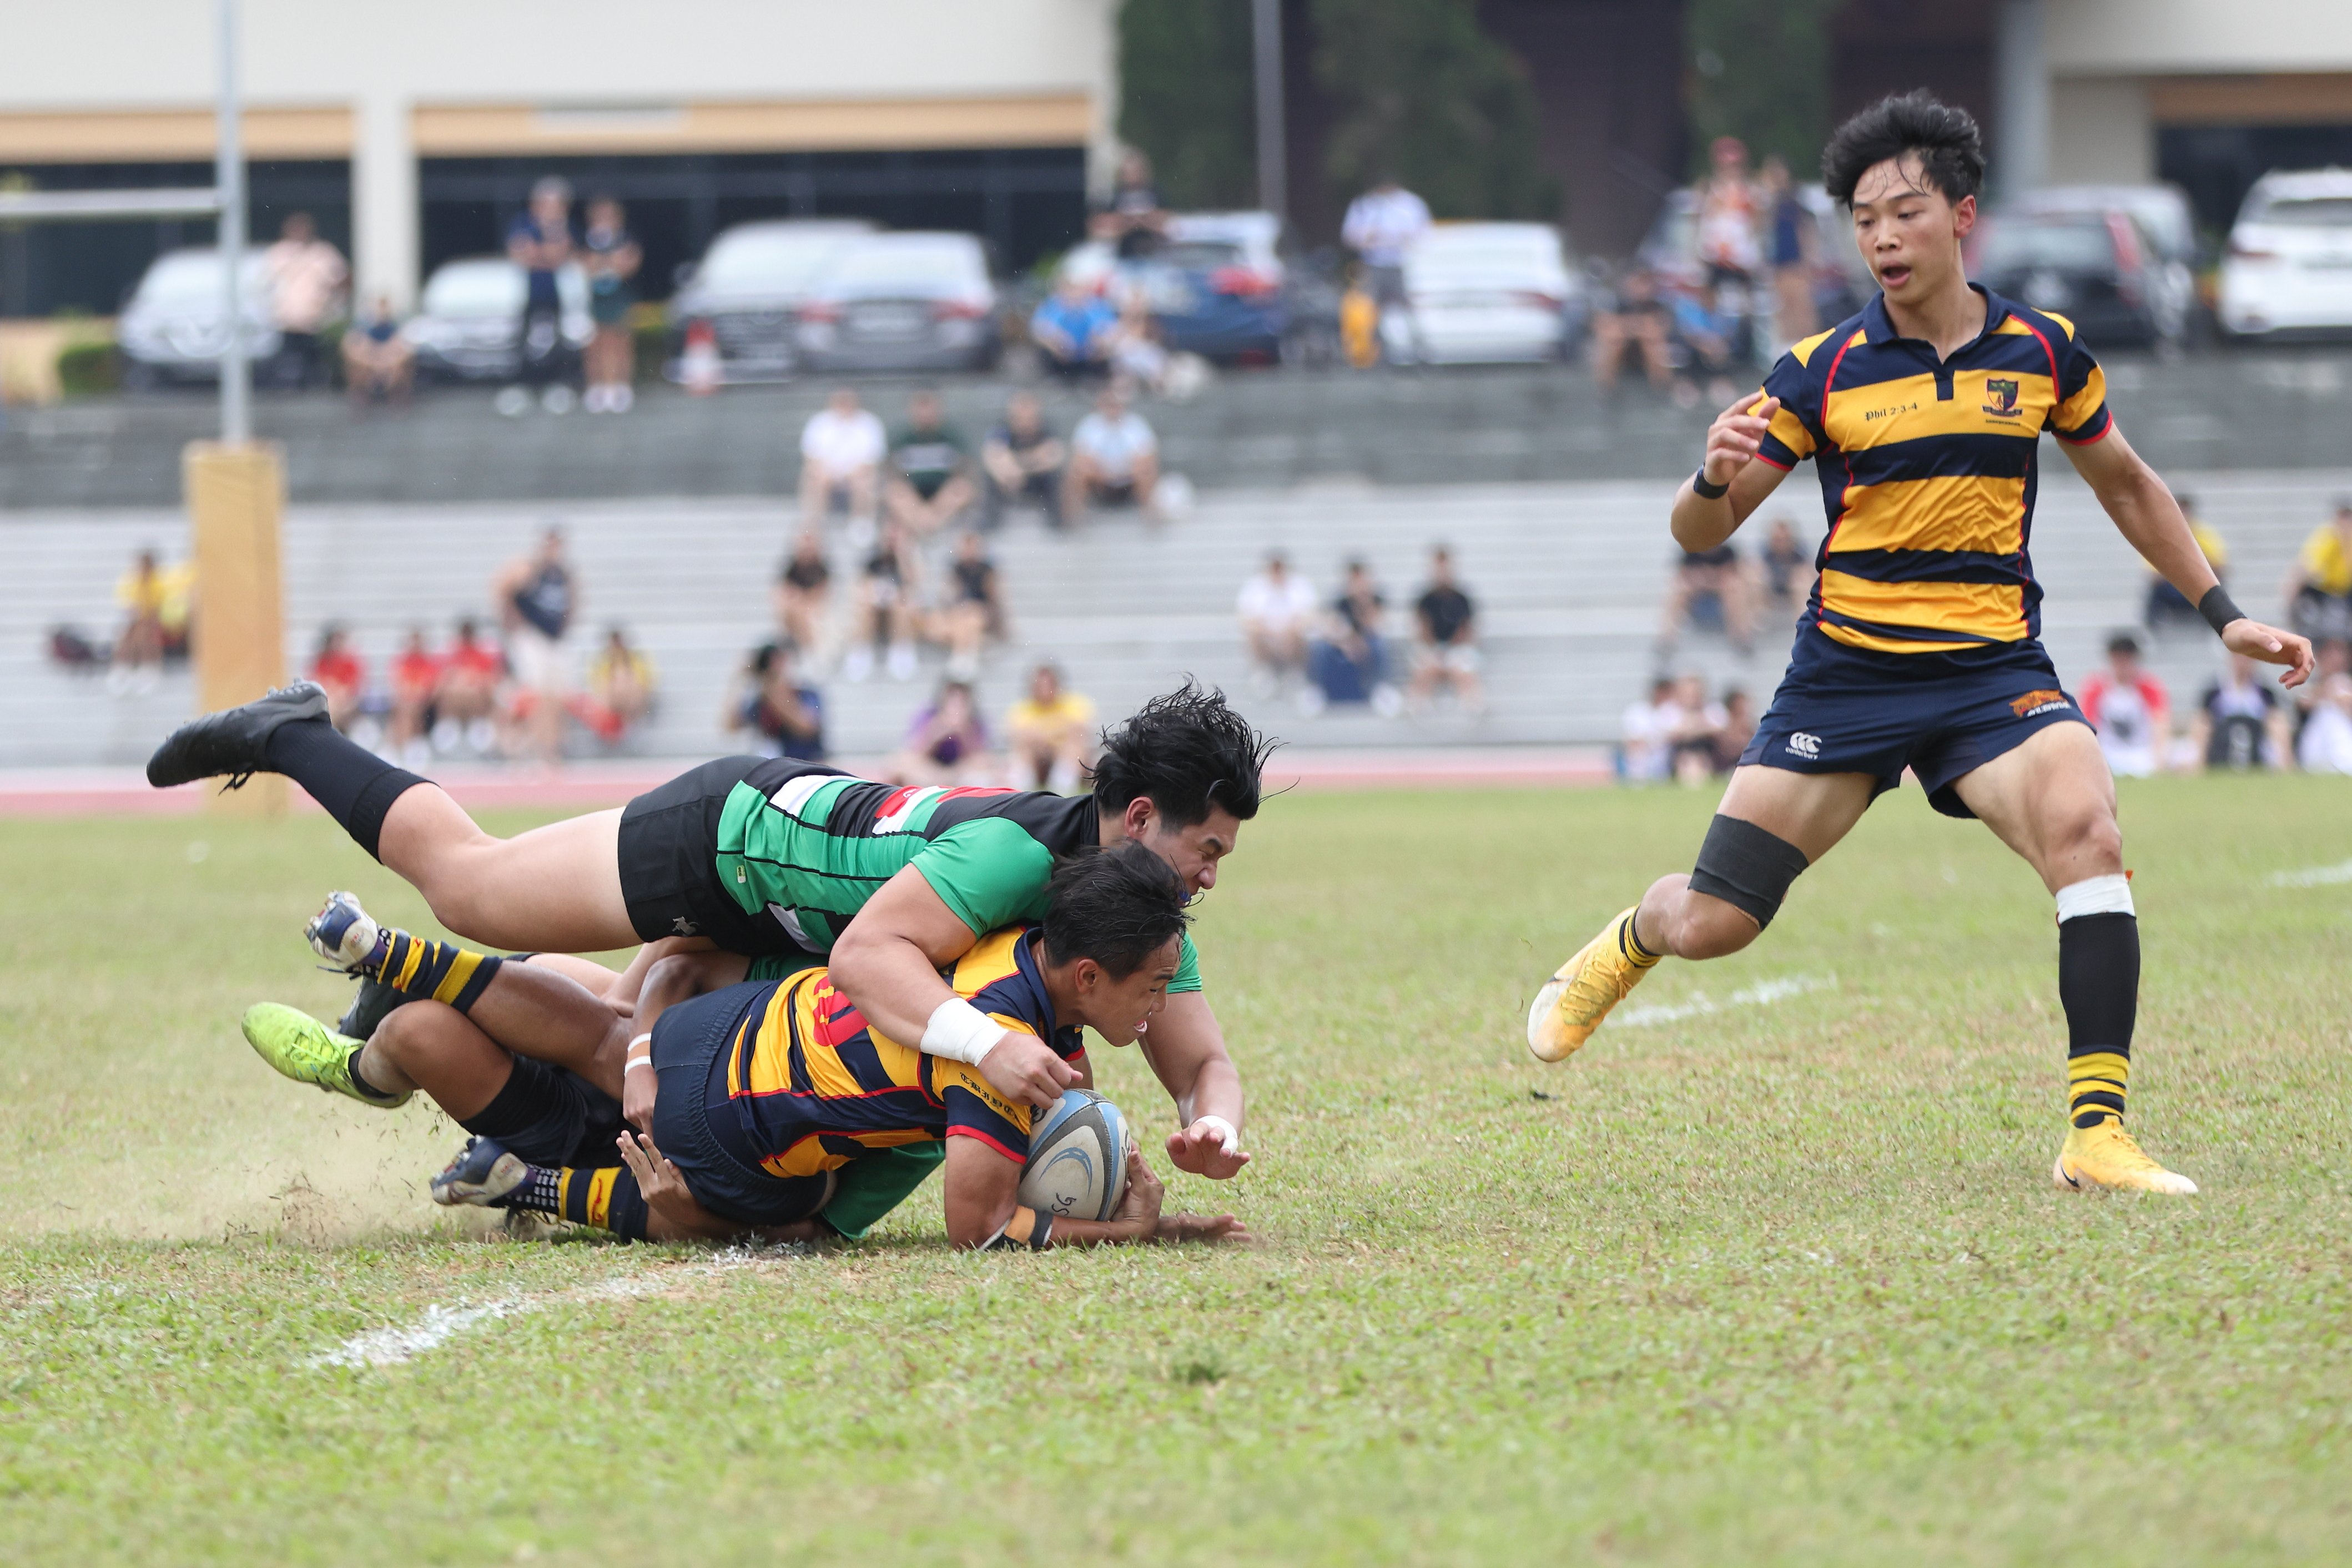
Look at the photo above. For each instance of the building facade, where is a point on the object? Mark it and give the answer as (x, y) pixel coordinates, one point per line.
(413, 132)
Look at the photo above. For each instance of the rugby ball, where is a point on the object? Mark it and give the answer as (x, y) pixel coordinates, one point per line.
(1078, 1159)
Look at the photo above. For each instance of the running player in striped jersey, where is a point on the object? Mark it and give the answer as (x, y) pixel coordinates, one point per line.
(804, 865)
(1919, 647)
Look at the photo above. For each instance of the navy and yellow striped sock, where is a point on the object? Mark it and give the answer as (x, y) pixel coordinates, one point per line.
(2098, 985)
(605, 1196)
(2097, 1080)
(1630, 943)
(415, 967)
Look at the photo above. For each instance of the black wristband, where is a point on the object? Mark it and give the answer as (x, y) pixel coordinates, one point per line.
(2218, 608)
(1705, 491)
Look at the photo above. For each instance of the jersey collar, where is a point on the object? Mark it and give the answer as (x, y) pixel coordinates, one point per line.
(1878, 327)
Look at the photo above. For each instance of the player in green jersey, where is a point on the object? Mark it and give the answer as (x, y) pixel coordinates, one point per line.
(801, 862)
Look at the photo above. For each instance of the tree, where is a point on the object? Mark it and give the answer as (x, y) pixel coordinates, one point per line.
(1185, 97)
(1420, 90)
(1760, 73)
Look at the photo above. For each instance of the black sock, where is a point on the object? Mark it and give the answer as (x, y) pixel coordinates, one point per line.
(534, 1116)
(360, 1080)
(354, 785)
(2098, 984)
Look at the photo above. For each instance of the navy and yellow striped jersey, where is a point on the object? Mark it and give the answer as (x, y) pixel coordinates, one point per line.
(1928, 469)
(813, 1086)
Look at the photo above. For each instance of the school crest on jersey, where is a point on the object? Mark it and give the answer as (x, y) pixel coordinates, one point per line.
(2002, 394)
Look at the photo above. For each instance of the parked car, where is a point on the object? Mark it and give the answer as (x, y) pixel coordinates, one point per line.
(1225, 285)
(1487, 294)
(2165, 218)
(915, 301)
(2099, 270)
(175, 325)
(2289, 265)
(749, 286)
(469, 325)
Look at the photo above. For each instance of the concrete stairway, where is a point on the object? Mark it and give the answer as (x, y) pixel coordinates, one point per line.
(1567, 578)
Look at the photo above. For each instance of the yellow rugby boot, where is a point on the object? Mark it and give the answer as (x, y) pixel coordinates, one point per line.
(1579, 994)
(2106, 1155)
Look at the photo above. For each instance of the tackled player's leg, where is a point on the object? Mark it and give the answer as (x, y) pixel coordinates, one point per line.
(1771, 825)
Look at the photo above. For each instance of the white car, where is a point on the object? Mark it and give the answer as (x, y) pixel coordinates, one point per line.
(174, 327)
(1486, 294)
(2289, 266)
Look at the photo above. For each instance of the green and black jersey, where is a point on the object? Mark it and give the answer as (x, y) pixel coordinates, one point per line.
(797, 849)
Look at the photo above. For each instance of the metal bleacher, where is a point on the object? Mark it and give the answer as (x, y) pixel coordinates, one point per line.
(1567, 578)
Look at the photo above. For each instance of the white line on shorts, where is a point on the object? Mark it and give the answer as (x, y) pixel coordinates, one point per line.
(394, 1345)
(1764, 993)
(2313, 876)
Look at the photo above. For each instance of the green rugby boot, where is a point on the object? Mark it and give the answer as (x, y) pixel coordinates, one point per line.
(308, 1051)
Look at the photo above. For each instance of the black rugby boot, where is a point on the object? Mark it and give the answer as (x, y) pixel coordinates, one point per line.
(235, 741)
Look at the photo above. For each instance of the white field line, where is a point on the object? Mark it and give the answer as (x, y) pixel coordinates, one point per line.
(1764, 993)
(2313, 876)
(394, 1345)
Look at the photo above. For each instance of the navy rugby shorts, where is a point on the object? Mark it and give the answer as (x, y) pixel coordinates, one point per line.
(1842, 709)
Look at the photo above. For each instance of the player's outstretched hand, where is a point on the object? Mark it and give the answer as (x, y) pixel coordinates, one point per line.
(1209, 1147)
(2270, 645)
(1139, 1212)
(1019, 1067)
(1203, 1227)
(1738, 432)
(660, 1182)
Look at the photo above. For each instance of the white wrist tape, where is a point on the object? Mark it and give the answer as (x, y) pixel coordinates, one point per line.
(2095, 895)
(1225, 1130)
(636, 1058)
(961, 1032)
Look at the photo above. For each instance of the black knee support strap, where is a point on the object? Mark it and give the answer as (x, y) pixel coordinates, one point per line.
(1746, 867)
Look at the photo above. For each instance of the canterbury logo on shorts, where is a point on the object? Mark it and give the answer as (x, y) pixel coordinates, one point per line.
(1808, 746)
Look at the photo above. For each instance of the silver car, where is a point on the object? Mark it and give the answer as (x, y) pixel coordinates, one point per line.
(749, 285)
(469, 326)
(917, 301)
(1485, 294)
(175, 324)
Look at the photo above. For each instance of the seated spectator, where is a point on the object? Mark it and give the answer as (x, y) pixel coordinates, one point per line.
(1737, 729)
(339, 669)
(1691, 727)
(2168, 607)
(154, 600)
(947, 744)
(2333, 657)
(1077, 329)
(1706, 333)
(1050, 733)
(1136, 355)
(1447, 623)
(2326, 746)
(1114, 459)
(2128, 706)
(2240, 723)
(785, 717)
(621, 683)
(1349, 663)
(2319, 589)
(1022, 462)
(1711, 592)
(928, 486)
(1277, 610)
(1634, 318)
(885, 614)
(842, 449)
(1643, 755)
(415, 674)
(466, 703)
(1787, 567)
(803, 597)
(974, 611)
(379, 363)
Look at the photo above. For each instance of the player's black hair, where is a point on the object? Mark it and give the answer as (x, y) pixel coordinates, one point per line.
(1185, 752)
(1118, 907)
(1946, 141)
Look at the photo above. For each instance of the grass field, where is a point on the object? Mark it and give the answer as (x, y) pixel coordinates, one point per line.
(1772, 1273)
